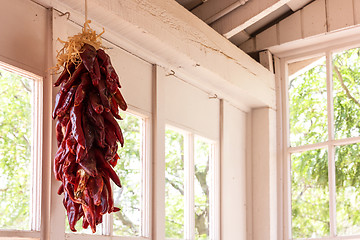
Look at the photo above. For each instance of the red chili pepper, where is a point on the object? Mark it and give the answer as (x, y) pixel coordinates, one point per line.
(65, 74)
(88, 137)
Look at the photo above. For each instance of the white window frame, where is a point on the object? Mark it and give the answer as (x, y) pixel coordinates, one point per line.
(189, 176)
(36, 154)
(284, 133)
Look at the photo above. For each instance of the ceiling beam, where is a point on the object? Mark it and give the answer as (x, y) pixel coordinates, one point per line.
(210, 11)
(244, 16)
(166, 34)
(298, 4)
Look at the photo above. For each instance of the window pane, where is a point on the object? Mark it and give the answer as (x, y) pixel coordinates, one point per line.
(307, 101)
(15, 150)
(347, 189)
(127, 222)
(203, 155)
(174, 184)
(346, 78)
(310, 194)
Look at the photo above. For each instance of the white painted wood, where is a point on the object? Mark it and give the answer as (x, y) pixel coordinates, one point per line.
(209, 9)
(189, 220)
(339, 14)
(8, 234)
(266, 59)
(249, 177)
(158, 176)
(356, 11)
(36, 153)
(47, 138)
(147, 169)
(314, 19)
(279, 147)
(285, 155)
(56, 226)
(191, 107)
(239, 38)
(264, 165)
(246, 15)
(23, 23)
(297, 4)
(233, 173)
(248, 46)
(267, 38)
(166, 34)
(135, 77)
(331, 148)
(290, 28)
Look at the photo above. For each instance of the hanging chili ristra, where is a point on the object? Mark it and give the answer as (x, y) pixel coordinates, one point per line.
(86, 130)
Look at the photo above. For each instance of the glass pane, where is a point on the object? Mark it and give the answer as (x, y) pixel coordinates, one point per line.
(174, 184)
(307, 101)
(347, 189)
(310, 194)
(15, 150)
(346, 79)
(203, 155)
(127, 222)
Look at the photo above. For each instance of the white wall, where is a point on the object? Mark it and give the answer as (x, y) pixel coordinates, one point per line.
(23, 32)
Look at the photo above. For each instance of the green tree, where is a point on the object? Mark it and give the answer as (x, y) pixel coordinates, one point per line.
(308, 125)
(174, 186)
(15, 150)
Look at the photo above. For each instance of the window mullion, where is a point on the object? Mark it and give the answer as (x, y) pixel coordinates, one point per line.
(145, 183)
(107, 225)
(286, 146)
(331, 151)
(189, 187)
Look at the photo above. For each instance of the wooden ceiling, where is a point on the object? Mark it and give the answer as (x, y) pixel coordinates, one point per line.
(239, 20)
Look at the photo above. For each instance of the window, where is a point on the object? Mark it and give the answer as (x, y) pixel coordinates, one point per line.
(322, 149)
(20, 135)
(188, 185)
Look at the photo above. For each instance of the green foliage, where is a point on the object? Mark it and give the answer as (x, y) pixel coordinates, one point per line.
(174, 184)
(308, 114)
(202, 185)
(310, 201)
(128, 220)
(308, 117)
(15, 150)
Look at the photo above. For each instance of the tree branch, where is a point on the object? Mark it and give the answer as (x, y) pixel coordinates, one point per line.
(181, 191)
(127, 222)
(24, 85)
(344, 86)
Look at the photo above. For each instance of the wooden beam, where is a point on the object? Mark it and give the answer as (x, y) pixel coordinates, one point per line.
(264, 178)
(166, 34)
(210, 11)
(246, 15)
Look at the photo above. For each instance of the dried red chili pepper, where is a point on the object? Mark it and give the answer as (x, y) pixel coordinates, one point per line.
(88, 136)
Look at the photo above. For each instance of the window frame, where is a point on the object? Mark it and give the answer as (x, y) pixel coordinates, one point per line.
(189, 179)
(330, 144)
(35, 204)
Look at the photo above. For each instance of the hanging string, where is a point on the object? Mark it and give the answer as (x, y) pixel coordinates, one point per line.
(86, 14)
